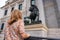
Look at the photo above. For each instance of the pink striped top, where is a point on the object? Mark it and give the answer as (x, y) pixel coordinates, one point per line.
(14, 31)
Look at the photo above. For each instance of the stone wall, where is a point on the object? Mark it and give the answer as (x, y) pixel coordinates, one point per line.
(50, 13)
(53, 33)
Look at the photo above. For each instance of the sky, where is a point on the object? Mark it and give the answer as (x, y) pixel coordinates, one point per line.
(2, 2)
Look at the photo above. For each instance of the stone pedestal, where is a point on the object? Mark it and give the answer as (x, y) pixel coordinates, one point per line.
(37, 30)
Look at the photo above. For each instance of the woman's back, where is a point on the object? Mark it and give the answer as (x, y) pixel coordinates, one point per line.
(12, 32)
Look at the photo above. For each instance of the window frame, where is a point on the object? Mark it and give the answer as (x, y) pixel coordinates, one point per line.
(20, 7)
(2, 26)
(5, 13)
(12, 9)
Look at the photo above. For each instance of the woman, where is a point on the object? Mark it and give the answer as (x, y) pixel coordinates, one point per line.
(15, 27)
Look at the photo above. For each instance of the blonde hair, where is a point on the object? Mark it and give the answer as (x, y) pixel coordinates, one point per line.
(15, 15)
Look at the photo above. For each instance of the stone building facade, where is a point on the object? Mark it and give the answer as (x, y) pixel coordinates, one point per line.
(49, 13)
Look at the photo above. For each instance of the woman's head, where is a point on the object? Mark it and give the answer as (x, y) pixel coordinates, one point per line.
(15, 15)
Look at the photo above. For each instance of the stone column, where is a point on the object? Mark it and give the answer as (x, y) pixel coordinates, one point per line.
(24, 8)
(16, 6)
(58, 15)
(39, 4)
(58, 4)
(9, 11)
(27, 7)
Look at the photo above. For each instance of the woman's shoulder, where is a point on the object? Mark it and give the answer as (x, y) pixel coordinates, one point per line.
(20, 20)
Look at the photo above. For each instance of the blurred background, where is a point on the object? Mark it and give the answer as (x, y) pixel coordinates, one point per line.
(41, 17)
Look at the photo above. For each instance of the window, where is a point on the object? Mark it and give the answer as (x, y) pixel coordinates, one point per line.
(32, 2)
(2, 26)
(20, 7)
(12, 9)
(5, 12)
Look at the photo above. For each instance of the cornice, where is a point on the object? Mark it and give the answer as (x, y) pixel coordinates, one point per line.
(19, 1)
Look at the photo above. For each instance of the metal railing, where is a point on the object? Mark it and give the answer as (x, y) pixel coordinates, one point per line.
(44, 38)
